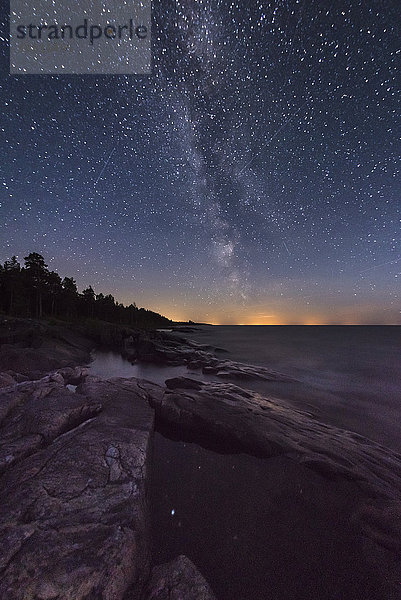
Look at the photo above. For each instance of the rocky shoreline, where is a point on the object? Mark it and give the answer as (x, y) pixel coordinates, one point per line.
(75, 464)
(74, 468)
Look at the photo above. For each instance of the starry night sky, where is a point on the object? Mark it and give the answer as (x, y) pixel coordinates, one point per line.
(252, 178)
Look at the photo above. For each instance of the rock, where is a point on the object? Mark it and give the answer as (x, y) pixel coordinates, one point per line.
(381, 521)
(233, 370)
(195, 364)
(162, 348)
(45, 352)
(266, 427)
(74, 517)
(6, 380)
(33, 414)
(74, 375)
(178, 580)
(183, 383)
(19, 378)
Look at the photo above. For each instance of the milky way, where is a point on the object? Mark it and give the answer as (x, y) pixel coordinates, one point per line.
(251, 178)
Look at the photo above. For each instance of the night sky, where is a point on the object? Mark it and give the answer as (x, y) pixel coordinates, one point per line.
(252, 178)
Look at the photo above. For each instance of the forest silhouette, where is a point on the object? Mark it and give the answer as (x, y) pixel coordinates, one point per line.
(32, 291)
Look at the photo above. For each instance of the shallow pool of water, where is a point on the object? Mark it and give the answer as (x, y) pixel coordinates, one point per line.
(111, 364)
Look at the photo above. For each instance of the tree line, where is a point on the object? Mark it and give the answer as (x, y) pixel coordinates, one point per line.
(34, 291)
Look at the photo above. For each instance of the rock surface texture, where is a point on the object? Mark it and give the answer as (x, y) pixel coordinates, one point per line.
(264, 426)
(75, 454)
(74, 516)
(172, 350)
(178, 580)
(30, 350)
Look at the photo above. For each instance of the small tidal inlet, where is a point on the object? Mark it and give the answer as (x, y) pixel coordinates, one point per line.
(256, 528)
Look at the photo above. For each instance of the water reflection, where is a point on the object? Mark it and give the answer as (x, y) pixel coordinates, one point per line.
(258, 528)
(111, 364)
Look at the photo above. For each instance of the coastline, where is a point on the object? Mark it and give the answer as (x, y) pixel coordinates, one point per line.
(222, 411)
(349, 376)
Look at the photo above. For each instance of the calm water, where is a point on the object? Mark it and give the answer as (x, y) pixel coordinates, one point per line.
(260, 529)
(269, 529)
(111, 364)
(349, 376)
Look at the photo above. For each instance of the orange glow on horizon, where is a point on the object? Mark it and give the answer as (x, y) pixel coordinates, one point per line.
(288, 319)
(273, 312)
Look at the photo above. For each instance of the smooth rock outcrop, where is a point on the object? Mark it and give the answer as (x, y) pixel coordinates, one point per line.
(172, 350)
(33, 414)
(39, 349)
(265, 426)
(74, 516)
(178, 580)
(161, 348)
(6, 379)
(227, 369)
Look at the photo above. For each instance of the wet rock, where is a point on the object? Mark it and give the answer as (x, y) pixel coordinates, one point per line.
(265, 426)
(74, 518)
(155, 351)
(195, 364)
(164, 349)
(178, 580)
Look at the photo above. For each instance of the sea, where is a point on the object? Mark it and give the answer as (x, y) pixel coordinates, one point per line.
(271, 529)
(350, 375)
